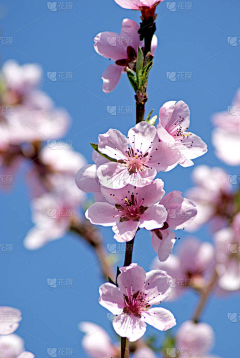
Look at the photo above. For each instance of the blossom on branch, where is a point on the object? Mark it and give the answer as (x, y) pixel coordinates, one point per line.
(181, 212)
(226, 135)
(120, 48)
(192, 266)
(174, 121)
(129, 209)
(9, 319)
(212, 197)
(194, 340)
(132, 299)
(12, 346)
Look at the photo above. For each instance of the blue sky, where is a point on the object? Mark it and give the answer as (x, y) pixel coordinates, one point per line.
(195, 41)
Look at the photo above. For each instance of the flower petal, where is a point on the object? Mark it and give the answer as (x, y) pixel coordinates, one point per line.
(131, 279)
(113, 175)
(86, 179)
(101, 213)
(9, 319)
(128, 326)
(153, 218)
(125, 231)
(129, 34)
(164, 246)
(180, 117)
(113, 143)
(129, 4)
(111, 298)
(111, 77)
(109, 45)
(160, 318)
(157, 287)
(141, 137)
(151, 194)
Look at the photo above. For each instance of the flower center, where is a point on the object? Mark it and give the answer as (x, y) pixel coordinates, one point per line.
(130, 210)
(135, 162)
(136, 303)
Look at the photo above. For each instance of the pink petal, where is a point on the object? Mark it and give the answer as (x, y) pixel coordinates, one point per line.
(111, 298)
(191, 146)
(151, 194)
(154, 44)
(131, 279)
(142, 179)
(129, 34)
(26, 355)
(113, 175)
(125, 231)
(102, 214)
(227, 146)
(109, 45)
(180, 117)
(129, 4)
(165, 156)
(163, 247)
(111, 77)
(129, 326)
(181, 211)
(153, 218)
(197, 338)
(96, 342)
(141, 137)
(159, 318)
(144, 352)
(9, 319)
(113, 143)
(86, 179)
(157, 287)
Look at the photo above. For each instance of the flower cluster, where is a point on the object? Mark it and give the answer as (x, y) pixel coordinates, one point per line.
(11, 345)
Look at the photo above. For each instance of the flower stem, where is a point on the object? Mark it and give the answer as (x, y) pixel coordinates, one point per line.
(205, 296)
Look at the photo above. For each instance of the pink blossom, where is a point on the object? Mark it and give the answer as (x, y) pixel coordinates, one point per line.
(212, 196)
(26, 355)
(52, 213)
(174, 120)
(128, 209)
(194, 340)
(120, 48)
(137, 4)
(21, 79)
(144, 352)
(11, 346)
(131, 301)
(181, 212)
(97, 342)
(227, 242)
(138, 157)
(9, 319)
(191, 268)
(226, 135)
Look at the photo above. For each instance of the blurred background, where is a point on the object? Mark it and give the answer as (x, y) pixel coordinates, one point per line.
(197, 60)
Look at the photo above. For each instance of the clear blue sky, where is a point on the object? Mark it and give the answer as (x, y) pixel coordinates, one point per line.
(193, 41)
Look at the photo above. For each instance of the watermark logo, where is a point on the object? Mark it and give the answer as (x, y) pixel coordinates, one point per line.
(60, 213)
(234, 179)
(120, 110)
(118, 248)
(59, 352)
(60, 282)
(179, 6)
(6, 179)
(234, 317)
(60, 76)
(176, 353)
(55, 6)
(4, 110)
(119, 40)
(110, 316)
(234, 41)
(234, 110)
(60, 145)
(185, 282)
(179, 76)
(6, 40)
(234, 248)
(6, 248)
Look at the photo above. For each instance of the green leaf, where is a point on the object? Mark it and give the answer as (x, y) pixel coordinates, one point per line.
(146, 71)
(95, 147)
(139, 67)
(111, 281)
(153, 120)
(149, 115)
(132, 79)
